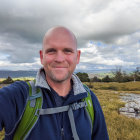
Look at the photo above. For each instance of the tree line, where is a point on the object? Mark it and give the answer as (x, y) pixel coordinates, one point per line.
(118, 76)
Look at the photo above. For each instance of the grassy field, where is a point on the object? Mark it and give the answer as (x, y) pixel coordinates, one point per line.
(20, 78)
(119, 127)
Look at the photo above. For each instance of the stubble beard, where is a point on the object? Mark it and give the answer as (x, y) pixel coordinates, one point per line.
(54, 78)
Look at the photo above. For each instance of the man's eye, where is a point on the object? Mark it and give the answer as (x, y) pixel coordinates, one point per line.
(50, 51)
(68, 51)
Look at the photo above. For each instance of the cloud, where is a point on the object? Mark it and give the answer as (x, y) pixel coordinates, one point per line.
(118, 19)
(17, 50)
(108, 31)
(4, 65)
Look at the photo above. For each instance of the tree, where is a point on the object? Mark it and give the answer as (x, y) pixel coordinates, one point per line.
(83, 77)
(136, 74)
(127, 77)
(118, 75)
(106, 79)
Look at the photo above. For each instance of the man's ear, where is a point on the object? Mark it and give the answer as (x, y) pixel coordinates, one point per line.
(78, 56)
(41, 56)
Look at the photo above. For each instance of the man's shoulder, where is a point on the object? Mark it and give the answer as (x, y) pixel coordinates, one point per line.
(19, 85)
(16, 89)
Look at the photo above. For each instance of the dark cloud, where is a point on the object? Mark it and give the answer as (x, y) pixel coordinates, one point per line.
(114, 24)
(18, 50)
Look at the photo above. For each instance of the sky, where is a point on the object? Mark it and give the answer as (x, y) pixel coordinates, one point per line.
(107, 31)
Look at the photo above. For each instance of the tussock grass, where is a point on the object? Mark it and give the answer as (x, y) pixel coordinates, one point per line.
(128, 86)
(1, 79)
(20, 79)
(2, 134)
(23, 79)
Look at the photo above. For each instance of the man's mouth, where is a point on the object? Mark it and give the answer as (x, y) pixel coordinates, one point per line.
(59, 66)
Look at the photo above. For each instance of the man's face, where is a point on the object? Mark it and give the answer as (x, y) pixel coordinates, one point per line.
(59, 57)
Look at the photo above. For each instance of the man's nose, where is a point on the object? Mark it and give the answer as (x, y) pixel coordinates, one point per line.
(60, 57)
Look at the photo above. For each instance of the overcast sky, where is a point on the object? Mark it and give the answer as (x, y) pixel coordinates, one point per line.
(108, 31)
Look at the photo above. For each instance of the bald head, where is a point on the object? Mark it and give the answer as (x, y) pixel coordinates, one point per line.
(60, 33)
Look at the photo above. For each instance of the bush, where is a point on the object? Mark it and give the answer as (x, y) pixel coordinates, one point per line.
(9, 80)
(95, 79)
(107, 79)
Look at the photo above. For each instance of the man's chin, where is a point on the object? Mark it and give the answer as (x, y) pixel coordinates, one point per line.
(60, 79)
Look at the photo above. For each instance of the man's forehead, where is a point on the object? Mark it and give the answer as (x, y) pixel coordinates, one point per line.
(60, 45)
(59, 30)
(58, 34)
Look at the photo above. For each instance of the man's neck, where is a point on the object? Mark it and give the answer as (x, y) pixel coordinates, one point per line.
(62, 88)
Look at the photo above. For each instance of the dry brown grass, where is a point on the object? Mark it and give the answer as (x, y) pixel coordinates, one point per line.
(119, 127)
(2, 135)
(128, 86)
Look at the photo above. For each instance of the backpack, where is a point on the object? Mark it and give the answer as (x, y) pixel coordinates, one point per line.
(34, 109)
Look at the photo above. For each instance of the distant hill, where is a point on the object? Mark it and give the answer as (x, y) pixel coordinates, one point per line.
(32, 73)
(16, 74)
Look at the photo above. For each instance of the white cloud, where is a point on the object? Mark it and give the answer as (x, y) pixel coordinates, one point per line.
(80, 67)
(90, 48)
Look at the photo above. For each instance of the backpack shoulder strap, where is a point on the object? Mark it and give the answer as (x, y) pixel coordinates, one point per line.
(89, 107)
(30, 115)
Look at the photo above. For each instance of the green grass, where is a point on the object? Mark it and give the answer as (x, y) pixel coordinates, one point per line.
(119, 127)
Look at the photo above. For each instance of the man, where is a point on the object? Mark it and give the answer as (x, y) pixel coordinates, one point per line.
(60, 87)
